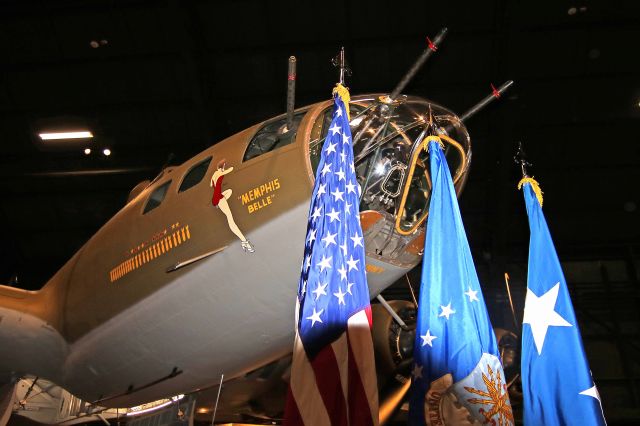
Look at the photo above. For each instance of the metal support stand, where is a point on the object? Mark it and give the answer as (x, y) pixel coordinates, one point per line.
(389, 309)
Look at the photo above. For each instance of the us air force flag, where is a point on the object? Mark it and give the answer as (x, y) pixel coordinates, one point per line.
(556, 380)
(457, 375)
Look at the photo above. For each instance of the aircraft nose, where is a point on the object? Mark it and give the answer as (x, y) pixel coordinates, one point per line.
(392, 168)
(391, 164)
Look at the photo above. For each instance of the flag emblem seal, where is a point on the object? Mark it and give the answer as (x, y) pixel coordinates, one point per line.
(458, 403)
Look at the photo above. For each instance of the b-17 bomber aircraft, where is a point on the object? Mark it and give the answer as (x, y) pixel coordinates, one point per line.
(196, 275)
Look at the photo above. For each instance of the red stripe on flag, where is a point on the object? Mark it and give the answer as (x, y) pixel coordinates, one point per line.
(325, 367)
(367, 310)
(359, 409)
(292, 415)
(304, 388)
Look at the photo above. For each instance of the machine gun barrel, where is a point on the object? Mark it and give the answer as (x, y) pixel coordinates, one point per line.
(433, 46)
(495, 94)
(291, 91)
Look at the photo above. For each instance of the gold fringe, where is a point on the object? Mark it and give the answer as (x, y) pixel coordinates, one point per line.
(534, 185)
(425, 143)
(343, 92)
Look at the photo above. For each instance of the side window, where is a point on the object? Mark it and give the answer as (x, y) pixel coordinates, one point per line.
(195, 175)
(156, 197)
(273, 136)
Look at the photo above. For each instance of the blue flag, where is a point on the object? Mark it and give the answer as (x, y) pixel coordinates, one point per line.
(457, 373)
(557, 384)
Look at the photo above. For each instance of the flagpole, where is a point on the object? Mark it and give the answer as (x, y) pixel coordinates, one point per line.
(521, 159)
(340, 62)
(342, 65)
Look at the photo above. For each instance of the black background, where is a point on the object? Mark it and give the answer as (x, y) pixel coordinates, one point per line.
(177, 76)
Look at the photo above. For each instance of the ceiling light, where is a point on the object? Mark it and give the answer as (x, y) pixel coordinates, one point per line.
(106, 152)
(572, 11)
(95, 43)
(87, 151)
(83, 134)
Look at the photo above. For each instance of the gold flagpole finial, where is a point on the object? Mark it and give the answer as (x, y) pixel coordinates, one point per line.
(534, 185)
(521, 159)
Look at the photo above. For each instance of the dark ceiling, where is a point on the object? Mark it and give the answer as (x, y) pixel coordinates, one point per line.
(177, 76)
(155, 78)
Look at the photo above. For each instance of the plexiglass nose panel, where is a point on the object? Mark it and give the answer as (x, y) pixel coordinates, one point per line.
(391, 165)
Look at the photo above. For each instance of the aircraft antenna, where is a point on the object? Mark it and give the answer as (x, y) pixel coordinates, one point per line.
(413, 294)
(513, 311)
(215, 408)
(291, 91)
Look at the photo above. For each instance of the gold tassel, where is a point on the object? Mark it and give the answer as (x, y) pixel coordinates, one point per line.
(343, 92)
(534, 186)
(425, 143)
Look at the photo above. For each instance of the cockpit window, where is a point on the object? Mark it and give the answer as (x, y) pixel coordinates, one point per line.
(272, 136)
(195, 175)
(321, 128)
(156, 197)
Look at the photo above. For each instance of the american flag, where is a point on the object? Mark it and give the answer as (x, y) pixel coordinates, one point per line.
(333, 378)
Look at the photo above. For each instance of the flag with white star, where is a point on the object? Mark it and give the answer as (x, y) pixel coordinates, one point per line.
(456, 357)
(556, 381)
(333, 378)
